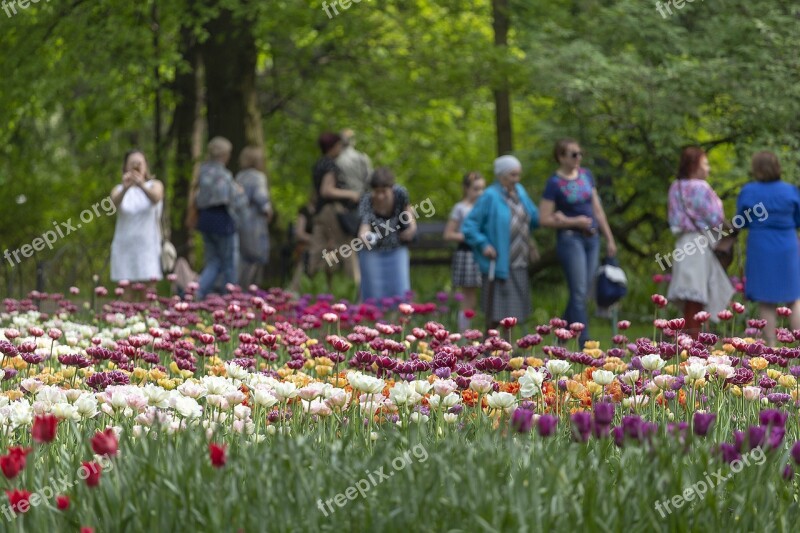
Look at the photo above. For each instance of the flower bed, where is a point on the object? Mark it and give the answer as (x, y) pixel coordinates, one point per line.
(307, 414)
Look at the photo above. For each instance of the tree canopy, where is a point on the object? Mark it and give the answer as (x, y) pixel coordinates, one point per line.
(84, 80)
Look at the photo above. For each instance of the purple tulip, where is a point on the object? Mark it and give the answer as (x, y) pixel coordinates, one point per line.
(442, 372)
(788, 472)
(522, 420)
(729, 453)
(775, 438)
(702, 423)
(604, 414)
(547, 425)
(632, 426)
(582, 426)
(773, 417)
(796, 452)
(756, 436)
(619, 435)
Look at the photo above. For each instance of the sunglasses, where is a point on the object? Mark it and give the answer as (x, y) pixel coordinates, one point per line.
(576, 155)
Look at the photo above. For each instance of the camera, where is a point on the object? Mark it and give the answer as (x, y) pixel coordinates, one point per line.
(371, 238)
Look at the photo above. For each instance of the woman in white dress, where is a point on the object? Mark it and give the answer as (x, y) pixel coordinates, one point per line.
(136, 248)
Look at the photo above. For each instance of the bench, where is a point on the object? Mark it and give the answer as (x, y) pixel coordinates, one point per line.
(429, 247)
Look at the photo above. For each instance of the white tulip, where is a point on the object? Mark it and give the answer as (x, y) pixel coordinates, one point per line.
(602, 377)
(557, 367)
(652, 362)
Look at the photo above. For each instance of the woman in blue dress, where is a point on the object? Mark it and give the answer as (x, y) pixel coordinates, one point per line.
(770, 209)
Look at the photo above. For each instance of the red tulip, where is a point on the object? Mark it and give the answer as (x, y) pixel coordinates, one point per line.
(86, 529)
(14, 462)
(217, 454)
(93, 470)
(105, 443)
(19, 500)
(677, 324)
(469, 313)
(577, 327)
(739, 308)
(702, 316)
(509, 322)
(623, 324)
(784, 311)
(659, 300)
(62, 502)
(44, 428)
(725, 314)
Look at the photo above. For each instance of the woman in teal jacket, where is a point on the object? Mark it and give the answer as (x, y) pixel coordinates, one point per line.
(498, 229)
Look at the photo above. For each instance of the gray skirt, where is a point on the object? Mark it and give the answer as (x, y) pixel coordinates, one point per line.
(699, 278)
(512, 296)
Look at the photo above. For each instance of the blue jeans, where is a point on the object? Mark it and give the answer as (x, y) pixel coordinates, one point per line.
(579, 256)
(220, 259)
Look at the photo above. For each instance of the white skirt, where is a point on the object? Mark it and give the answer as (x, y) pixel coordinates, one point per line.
(699, 278)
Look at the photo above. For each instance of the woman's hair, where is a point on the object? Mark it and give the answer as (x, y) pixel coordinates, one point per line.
(690, 162)
(128, 154)
(470, 178)
(766, 167)
(252, 157)
(381, 177)
(327, 141)
(219, 148)
(560, 147)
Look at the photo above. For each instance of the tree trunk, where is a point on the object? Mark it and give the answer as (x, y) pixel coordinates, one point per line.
(502, 97)
(187, 128)
(230, 57)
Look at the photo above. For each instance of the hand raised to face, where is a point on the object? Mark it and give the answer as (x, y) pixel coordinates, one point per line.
(127, 179)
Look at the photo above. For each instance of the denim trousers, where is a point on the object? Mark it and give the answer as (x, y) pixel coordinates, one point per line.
(220, 258)
(579, 256)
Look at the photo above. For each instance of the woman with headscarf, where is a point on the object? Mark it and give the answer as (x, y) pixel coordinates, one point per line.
(498, 231)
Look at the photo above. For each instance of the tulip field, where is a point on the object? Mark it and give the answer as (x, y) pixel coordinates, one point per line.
(262, 411)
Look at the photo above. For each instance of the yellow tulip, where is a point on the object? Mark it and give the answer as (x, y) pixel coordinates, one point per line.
(167, 384)
(758, 363)
(516, 363)
(736, 391)
(594, 388)
(574, 388)
(535, 362)
(788, 381)
(14, 395)
(774, 373)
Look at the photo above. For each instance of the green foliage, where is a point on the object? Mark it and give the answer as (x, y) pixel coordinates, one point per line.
(165, 482)
(415, 80)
